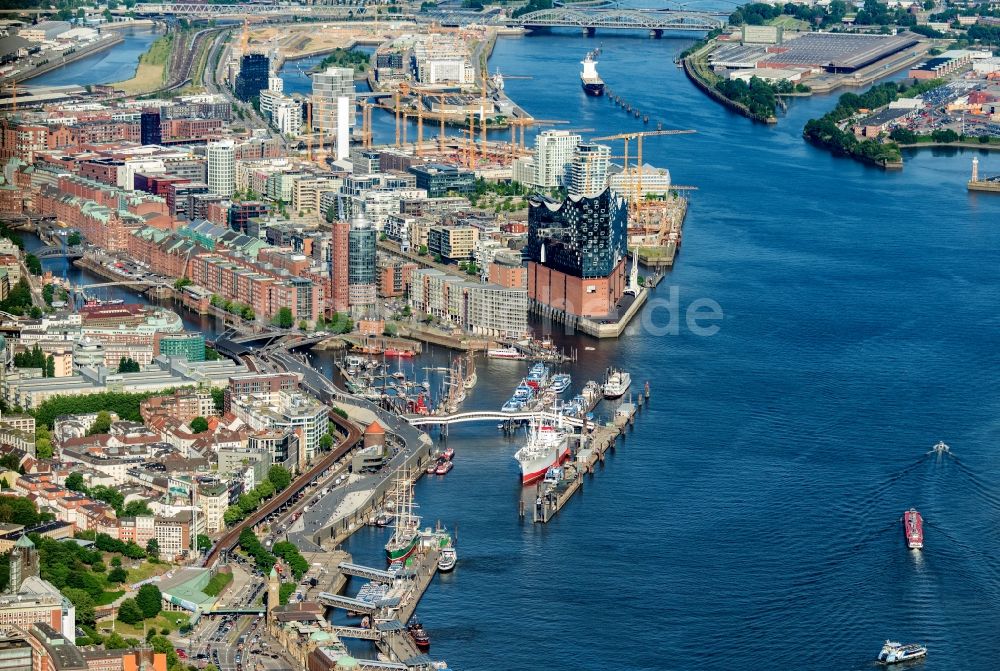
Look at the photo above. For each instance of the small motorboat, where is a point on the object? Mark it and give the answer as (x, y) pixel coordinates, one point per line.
(449, 453)
(431, 469)
(443, 466)
(448, 559)
(419, 635)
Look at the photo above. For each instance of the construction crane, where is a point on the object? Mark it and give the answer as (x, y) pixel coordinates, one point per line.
(638, 136)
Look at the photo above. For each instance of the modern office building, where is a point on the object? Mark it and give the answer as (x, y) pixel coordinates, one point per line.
(554, 151)
(191, 346)
(444, 180)
(577, 251)
(452, 243)
(222, 167)
(340, 297)
(149, 127)
(588, 173)
(333, 106)
(253, 76)
(361, 266)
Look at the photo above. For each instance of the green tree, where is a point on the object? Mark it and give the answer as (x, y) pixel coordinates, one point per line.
(199, 425)
(74, 482)
(232, 515)
(181, 282)
(285, 592)
(109, 495)
(84, 604)
(129, 612)
(152, 550)
(204, 542)
(74, 239)
(128, 365)
(50, 366)
(284, 319)
(101, 425)
(33, 264)
(117, 575)
(265, 490)
(150, 600)
(279, 477)
(326, 442)
(136, 508)
(114, 641)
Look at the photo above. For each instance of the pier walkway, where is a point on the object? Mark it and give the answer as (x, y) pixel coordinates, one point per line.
(366, 572)
(490, 416)
(345, 603)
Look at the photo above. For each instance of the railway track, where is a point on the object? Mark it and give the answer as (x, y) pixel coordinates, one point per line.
(351, 435)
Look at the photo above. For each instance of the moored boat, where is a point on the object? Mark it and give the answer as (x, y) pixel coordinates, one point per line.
(547, 446)
(443, 466)
(617, 383)
(405, 536)
(448, 559)
(913, 526)
(560, 382)
(449, 453)
(894, 652)
(419, 634)
(504, 353)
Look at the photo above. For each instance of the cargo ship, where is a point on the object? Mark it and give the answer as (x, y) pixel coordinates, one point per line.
(592, 83)
(913, 525)
(547, 446)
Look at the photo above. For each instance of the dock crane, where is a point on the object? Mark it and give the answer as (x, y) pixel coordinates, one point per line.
(638, 136)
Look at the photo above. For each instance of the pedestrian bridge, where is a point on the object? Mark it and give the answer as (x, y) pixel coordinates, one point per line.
(491, 416)
(345, 603)
(655, 21)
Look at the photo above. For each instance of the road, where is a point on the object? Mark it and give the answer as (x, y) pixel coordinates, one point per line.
(405, 441)
(351, 434)
(215, 83)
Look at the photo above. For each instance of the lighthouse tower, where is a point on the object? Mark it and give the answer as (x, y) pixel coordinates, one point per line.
(975, 169)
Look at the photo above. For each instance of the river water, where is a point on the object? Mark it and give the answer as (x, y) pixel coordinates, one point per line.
(751, 519)
(105, 67)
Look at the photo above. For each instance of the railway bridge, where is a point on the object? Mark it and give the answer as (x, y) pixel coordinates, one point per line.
(589, 20)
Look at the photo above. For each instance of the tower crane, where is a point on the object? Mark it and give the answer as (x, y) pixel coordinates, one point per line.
(638, 136)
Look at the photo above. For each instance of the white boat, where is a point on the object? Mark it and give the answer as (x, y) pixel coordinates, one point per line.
(504, 353)
(617, 384)
(547, 446)
(448, 559)
(561, 382)
(894, 652)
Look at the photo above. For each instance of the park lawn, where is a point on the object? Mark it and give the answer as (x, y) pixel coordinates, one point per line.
(790, 23)
(146, 570)
(165, 620)
(107, 598)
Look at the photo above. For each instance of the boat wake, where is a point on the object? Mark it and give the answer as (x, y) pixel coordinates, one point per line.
(981, 487)
(987, 563)
(881, 488)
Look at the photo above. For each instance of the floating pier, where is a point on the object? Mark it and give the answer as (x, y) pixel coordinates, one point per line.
(544, 501)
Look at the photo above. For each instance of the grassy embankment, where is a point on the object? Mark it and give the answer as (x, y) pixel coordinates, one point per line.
(152, 70)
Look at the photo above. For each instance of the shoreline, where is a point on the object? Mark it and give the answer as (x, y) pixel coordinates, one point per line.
(89, 50)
